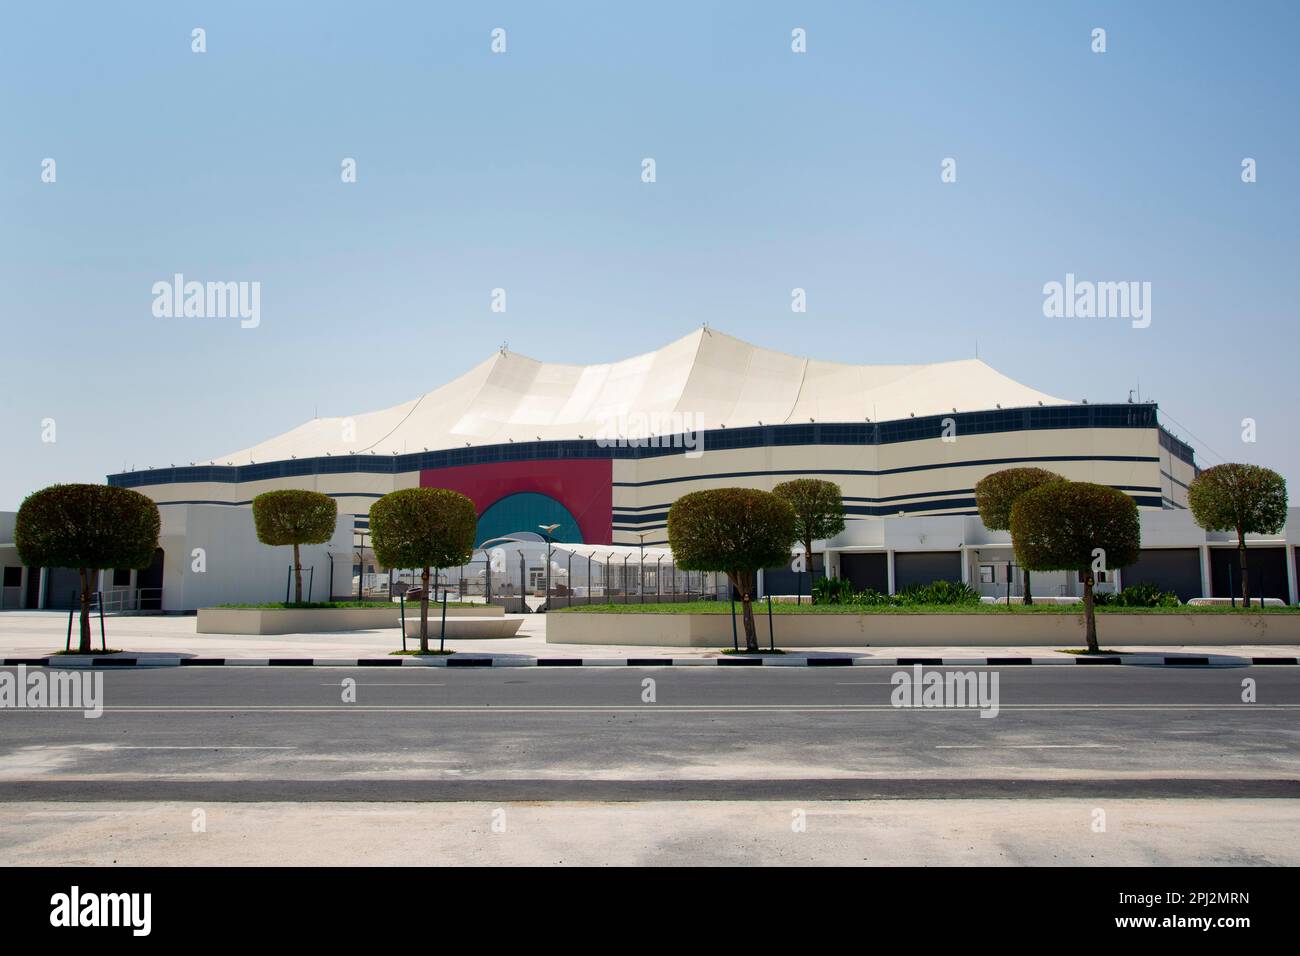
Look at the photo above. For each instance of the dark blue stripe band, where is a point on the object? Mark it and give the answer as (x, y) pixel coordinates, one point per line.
(1052, 417)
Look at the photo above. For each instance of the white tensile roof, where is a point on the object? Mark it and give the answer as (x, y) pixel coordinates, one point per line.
(705, 380)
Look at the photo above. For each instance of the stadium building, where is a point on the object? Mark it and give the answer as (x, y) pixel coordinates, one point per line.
(595, 455)
(604, 450)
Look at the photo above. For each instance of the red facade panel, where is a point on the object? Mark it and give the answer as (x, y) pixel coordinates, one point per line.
(584, 486)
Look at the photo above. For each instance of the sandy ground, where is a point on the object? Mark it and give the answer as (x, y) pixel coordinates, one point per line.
(912, 832)
(37, 633)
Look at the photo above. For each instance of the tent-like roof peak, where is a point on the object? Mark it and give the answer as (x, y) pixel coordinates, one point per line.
(704, 380)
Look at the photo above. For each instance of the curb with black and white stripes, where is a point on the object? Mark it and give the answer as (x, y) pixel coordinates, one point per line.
(739, 660)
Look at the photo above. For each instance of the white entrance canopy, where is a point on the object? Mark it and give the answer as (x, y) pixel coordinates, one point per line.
(614, 552)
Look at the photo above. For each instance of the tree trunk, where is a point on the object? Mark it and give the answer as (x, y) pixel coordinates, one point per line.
(751, 632)
(1241, 560)
(1029, 594)
(424, 612)
(297, 576)
(84, 647)
(1089, 614)
(744, 583)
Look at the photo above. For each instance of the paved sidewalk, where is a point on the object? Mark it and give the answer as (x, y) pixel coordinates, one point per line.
(163, 639)
(1038, 832)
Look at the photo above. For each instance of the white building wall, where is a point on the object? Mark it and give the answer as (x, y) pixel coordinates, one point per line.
(982, 546)
(239, 569)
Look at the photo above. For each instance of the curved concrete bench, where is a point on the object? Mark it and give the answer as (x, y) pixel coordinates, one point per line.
(462, 628)
(457, 610)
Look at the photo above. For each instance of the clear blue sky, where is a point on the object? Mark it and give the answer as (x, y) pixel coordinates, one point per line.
(522, 171)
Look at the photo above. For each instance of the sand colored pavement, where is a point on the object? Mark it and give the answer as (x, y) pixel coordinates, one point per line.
(38, 633)
(888, 833)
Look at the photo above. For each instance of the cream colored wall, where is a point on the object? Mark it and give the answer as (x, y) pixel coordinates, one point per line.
(355, 492)
(337, 486)
(832, 458)
(1181, 474)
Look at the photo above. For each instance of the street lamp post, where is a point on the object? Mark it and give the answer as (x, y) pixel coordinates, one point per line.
(523, 582)
(361, 564)
(640, 582)
(549, 532)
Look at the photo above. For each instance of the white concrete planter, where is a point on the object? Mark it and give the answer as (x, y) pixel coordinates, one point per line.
(1037, 600)
(1225, 602)
(924, 630)
(230, 620)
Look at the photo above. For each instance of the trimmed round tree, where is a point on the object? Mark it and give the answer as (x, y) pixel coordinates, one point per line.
(996, 493)
(1247, 499)
(736, 531)
(818, 511)
(423, 528)
(90, 528)
(295, 517)
(1076, 526)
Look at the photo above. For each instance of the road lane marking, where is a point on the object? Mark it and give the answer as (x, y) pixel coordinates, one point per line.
(191, 747)
(653, 708)
(1028, 747)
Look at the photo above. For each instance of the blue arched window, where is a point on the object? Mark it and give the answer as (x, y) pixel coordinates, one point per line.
(526, 511)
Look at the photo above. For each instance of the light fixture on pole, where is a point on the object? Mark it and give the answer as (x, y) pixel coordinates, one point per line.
(361, 563)
(549, 530)
(640, 584)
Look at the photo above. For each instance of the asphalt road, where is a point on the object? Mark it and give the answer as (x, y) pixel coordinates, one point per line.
(285, 734)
